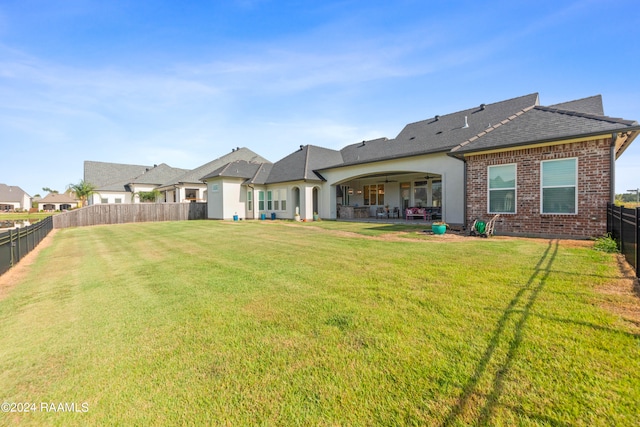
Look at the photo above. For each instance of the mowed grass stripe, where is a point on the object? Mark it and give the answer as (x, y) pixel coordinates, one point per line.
(205, 322)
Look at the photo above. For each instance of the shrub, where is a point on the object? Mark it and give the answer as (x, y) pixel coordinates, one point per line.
(606, 244)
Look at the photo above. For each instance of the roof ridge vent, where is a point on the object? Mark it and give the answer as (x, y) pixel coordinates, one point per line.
(466, 123)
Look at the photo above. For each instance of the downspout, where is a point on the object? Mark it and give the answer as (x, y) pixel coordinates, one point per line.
(612, 168)
(253, 201)
(464, 195)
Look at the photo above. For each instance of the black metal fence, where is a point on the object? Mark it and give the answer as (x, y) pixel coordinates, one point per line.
(15, 244)
(624, 226)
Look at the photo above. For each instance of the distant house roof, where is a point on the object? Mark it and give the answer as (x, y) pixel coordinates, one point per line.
(57, 198)
(195, 176)
(11, 193)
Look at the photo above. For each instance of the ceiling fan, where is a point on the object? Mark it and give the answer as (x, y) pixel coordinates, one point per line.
(386, 180)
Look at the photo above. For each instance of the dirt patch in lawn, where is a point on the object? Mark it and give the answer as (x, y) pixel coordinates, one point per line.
(15, 274)
(625, 295)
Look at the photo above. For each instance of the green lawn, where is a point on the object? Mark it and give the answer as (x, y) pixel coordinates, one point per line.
(278, 323)
(20, 216)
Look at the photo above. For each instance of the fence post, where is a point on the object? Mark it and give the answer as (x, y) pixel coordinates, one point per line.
(11, 248)
(637, 221)
(620, 227)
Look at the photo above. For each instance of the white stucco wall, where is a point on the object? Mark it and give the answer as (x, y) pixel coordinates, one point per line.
(450, 169)
(111, 196)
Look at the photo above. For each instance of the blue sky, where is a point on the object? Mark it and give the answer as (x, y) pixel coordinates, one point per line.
(182, 83)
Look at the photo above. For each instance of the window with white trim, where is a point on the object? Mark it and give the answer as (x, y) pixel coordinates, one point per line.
(559, 186)
(502, 189)
(283, 200)
(260, 200)
(373, 194)
(269, 200)
(276, 200)
(249, 201)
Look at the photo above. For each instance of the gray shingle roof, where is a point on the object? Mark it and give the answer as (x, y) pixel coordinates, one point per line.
(11, 193)
(111, 176)
(541, 124)
(590, 105)
(438, 134)
(196, 175)
(57, 198)
(158, 174)
(301, 164)
(237, 169)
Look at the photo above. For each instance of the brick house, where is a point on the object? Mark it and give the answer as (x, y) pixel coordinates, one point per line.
(548, 171)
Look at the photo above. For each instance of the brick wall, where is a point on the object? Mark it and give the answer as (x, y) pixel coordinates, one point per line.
(594, 184)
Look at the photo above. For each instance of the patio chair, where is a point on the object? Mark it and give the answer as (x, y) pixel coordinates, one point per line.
(381, 212)
(395, 213)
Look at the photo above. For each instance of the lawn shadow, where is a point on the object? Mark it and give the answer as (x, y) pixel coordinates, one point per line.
(533, 287)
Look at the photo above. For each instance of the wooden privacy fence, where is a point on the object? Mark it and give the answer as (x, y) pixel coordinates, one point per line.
(624, 226)
(123, 213)
(15, 244)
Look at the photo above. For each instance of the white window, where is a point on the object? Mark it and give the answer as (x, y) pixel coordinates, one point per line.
(269, 200)
(249, 201)
(215, 188)
(373, 194)
(559, 186)
(118, 200)
(104, 200)
(502, 189)
(283, 200)
(276, 200)
(260, 200)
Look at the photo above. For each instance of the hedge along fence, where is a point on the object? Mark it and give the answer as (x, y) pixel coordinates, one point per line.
(16, 244)
(124, 213)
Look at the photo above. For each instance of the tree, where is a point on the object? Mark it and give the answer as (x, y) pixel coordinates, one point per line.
(82, 190)
(48, 190)
(147, 196)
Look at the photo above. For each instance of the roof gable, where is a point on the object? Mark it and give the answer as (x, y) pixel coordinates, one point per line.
(589, 105)
(301, 164)
(541, 124)
(11, 193)
(196, 175)
(157, 175)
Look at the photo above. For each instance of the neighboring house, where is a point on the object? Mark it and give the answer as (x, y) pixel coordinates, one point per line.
(189, 188)
(57, 202)
(546, 170)
(13, 198)
(120, 183)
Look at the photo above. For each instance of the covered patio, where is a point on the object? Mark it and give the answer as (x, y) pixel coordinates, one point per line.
(391, 196)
